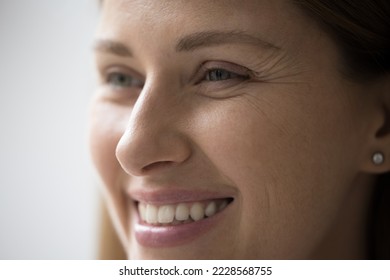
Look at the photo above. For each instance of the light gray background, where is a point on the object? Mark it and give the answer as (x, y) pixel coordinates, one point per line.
(48, 191)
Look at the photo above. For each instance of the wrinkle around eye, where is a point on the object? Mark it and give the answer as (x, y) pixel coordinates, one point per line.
(224, 89)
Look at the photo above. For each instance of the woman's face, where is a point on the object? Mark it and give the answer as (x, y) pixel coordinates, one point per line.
(223, 129)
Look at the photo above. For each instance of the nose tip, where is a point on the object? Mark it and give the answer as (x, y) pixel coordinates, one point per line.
(140, 153)
(155, 137)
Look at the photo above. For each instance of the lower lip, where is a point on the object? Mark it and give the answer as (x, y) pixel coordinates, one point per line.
(169, 236)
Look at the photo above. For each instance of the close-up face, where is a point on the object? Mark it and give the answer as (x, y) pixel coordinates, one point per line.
(225, 129)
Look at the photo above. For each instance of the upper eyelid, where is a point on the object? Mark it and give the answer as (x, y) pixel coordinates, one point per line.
(105, 70)
(104, 66)
(227, 66)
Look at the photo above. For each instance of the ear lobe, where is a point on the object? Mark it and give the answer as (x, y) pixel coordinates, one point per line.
(373, 166)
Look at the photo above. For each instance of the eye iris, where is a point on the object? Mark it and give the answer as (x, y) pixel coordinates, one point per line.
(218, 75)
(120, 80)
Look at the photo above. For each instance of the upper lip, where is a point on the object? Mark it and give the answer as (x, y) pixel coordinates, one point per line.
(164, 196)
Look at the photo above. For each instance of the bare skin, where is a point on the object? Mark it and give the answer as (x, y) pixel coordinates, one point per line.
(253, 108)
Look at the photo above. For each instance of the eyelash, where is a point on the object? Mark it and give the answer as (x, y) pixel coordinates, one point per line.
(220, 75)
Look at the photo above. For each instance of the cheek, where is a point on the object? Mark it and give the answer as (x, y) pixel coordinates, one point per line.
(285, 137)
(107, 125)
(285, 155)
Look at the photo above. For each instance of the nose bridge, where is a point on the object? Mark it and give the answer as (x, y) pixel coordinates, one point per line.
(154, 111)
(146, 116)
(152, 134)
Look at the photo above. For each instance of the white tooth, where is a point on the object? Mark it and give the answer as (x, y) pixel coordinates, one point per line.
(182, 212)
(211, 209)
(151, 214)
(223, 205)
(142, 211)
(197, 211)
(166, 214)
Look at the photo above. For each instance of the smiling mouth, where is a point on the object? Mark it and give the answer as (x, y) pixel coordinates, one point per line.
(180, 213)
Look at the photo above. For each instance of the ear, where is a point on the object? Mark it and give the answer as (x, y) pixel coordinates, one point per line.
(379, 138)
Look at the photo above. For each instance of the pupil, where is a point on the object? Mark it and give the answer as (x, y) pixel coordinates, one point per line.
(219, 75)
(122, 80)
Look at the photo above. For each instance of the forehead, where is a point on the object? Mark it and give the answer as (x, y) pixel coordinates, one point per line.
(175, 17)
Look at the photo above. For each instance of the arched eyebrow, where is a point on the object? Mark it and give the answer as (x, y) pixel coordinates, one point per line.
(191, 42)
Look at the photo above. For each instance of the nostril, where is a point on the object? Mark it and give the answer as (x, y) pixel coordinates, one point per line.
(143, 149)
(157, 165)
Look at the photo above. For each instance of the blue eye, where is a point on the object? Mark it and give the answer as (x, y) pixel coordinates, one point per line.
(122, 80)
(222, 79)
(215, 75)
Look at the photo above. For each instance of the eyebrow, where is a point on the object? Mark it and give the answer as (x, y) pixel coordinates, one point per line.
(110, 46)
(213, 38)
(191, 42)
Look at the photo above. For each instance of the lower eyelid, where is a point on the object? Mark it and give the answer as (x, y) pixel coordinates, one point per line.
(218, 88)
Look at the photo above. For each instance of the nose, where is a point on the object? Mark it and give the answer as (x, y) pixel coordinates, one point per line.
(153, 139)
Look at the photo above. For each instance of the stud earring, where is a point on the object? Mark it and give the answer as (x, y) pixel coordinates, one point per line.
(378, 158)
